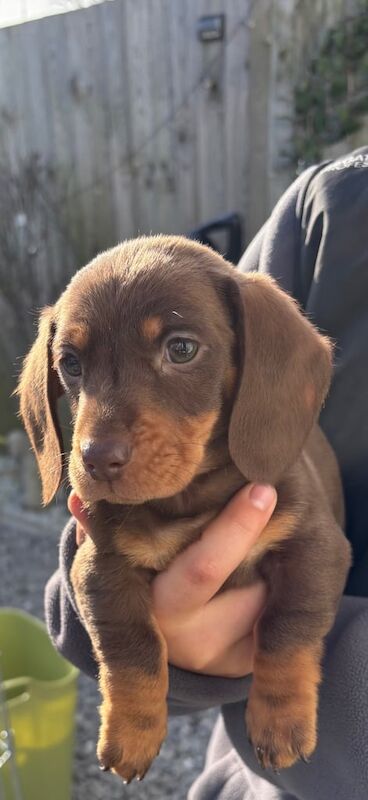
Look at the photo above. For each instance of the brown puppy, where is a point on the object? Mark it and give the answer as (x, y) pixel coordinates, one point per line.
(186, 380)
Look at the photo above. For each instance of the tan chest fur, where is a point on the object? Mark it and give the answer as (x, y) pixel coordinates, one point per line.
(156, 549)
(153, 545)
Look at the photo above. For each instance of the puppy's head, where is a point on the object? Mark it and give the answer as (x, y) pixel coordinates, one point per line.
(161, 347)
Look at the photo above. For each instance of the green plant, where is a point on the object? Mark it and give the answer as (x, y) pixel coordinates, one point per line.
(331, 100)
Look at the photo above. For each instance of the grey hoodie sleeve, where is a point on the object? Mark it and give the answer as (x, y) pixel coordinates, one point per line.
(315, 243)
(275, 250)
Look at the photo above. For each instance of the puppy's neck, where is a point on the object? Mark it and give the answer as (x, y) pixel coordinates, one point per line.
(215, 483)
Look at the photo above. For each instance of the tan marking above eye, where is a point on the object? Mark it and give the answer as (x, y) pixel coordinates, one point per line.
(152, 327)
(77, 336)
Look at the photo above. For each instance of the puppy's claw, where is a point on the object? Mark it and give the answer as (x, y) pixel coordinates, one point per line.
(260, 757)
(273, 764)
(103, 768)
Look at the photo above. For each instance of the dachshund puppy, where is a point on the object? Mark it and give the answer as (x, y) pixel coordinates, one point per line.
(186, 380)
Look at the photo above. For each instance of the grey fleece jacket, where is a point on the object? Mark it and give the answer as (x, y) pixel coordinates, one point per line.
(315, 243)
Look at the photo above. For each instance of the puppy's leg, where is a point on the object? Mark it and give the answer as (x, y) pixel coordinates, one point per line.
(305, 585)
(281, 713)
(114, 601)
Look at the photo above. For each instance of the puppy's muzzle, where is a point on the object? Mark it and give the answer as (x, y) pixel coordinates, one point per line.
(105, 460)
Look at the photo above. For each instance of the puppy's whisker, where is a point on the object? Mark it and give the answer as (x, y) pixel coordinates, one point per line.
(127, 515)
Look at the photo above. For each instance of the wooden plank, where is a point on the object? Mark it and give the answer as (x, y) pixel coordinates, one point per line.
(44, 64)
(210, 119)
(54, 56)
(30, 140)
(82, 202)
(122, 185)
(184, 67)
(164, 208)
(258, 110)
(9, 119)
(137, 42)
(96, 109)
(236, 72)
(12, 90)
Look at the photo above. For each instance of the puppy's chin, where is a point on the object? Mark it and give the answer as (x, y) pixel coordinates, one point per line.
(91, 492)
(123, 492)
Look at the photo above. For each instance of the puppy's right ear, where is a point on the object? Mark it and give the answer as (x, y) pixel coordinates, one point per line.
(39, 388)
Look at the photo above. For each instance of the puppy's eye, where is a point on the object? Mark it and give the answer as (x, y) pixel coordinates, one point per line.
(180, 350)
(71, 364)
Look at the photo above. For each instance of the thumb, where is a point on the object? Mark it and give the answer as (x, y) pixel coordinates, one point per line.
(79, 511)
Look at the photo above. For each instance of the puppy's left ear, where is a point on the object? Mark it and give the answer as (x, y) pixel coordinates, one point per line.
(285, 372)
(39, 388)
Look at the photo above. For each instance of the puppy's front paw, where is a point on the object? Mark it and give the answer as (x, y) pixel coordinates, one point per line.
(128, 745)
(281, 732)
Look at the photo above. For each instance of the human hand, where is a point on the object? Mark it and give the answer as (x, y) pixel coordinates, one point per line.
(205, 631)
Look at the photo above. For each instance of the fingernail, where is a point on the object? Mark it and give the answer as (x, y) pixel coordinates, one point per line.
(262, 496)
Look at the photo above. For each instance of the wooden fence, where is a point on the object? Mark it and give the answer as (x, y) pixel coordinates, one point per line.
(141, 126)
(117, 120)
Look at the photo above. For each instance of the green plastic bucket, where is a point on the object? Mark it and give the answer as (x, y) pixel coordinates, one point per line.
(39, 693)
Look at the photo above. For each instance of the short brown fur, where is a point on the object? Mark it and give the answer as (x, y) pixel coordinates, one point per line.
(243, 410)
(282, 723)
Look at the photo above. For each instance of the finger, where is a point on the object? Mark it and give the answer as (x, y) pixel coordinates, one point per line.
(235, 662)
(215, 628)
(80, 534)
(218, 625)
(222, 621)
(232, 615)
(199, 572)
(78, 510)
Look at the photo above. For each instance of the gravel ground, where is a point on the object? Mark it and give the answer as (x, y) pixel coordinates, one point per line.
(28, 556)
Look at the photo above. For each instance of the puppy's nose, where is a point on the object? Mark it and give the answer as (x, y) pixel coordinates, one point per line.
(105, 460)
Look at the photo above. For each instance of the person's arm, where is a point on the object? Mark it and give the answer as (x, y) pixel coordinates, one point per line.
(315, 245)
(209, 636)
(275, 250)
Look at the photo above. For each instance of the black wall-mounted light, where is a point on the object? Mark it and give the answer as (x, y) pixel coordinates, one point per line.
(211, 28)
